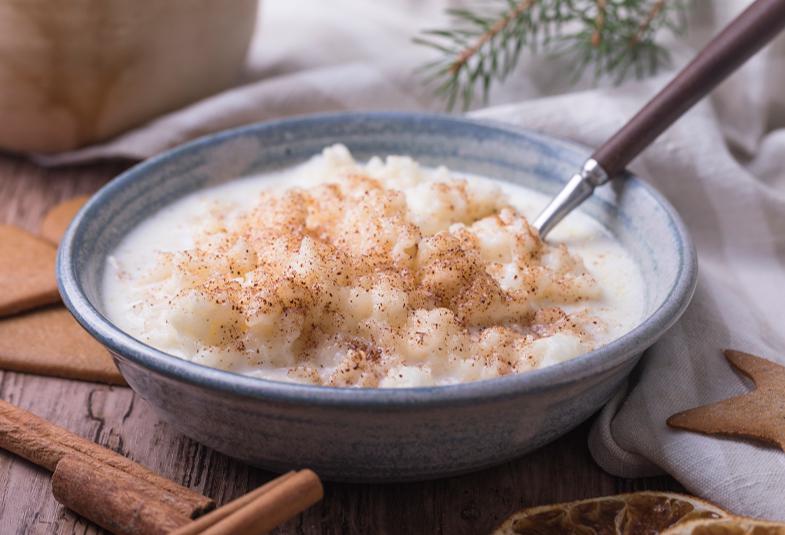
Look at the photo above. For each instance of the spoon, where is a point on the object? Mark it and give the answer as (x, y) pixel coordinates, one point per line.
(734, 45)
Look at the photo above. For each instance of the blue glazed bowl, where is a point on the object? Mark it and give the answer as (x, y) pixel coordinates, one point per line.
(376, 434)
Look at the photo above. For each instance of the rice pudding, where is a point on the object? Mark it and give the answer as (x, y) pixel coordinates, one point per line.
(377, 274)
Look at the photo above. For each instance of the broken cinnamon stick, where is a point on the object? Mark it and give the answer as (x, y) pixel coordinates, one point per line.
(272, 508)
(113, 499)
(45, 444)
(213, 517)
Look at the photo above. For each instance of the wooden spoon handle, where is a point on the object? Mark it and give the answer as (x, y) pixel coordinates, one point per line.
(742, 38)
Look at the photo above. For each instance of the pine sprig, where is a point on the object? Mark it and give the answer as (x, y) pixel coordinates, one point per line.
(611, 37)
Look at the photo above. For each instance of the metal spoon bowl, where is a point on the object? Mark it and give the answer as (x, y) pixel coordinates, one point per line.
(732, 47)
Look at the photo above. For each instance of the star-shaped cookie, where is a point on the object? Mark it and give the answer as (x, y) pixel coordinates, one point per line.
(759, 414)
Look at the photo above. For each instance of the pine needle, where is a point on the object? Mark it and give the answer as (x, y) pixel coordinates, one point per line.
(613, 38)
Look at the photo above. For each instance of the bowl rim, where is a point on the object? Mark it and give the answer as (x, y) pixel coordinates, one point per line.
(614, 354)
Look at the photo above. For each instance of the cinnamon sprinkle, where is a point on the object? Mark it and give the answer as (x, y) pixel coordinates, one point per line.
(382, 280)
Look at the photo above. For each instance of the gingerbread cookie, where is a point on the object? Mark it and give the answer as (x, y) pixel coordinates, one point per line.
(49, 341)
(758, 414)
(56, 221)
(27, 271)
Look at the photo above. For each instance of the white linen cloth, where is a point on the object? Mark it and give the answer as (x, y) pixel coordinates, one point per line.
(722, 166)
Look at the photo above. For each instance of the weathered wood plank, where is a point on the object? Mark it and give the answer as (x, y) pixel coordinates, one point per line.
(115, 417)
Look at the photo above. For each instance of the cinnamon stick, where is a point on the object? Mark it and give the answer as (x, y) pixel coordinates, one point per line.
(272, 508)
(113, 499)
(213, 517)
(46, 444)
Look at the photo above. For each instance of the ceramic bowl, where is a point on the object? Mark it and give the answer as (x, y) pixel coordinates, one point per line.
(376, 434)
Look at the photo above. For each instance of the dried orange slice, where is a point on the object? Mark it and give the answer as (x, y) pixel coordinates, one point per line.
(624, 514)
(727, 526)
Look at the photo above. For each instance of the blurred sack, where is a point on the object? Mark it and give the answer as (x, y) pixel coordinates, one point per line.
(75, 72)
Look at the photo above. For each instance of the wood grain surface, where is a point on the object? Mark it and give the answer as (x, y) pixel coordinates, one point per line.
(117, 418)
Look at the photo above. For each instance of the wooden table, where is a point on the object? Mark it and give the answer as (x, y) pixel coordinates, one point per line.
(117, 418)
